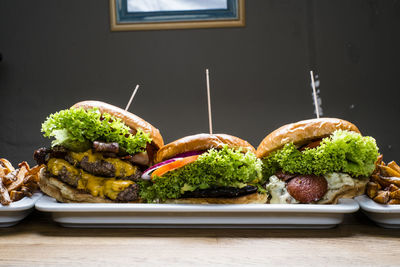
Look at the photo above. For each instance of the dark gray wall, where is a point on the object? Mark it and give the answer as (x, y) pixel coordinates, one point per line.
(56, 53)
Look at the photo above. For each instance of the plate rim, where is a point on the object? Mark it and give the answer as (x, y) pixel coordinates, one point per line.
(23, 204)
(369, 205)
(49, 204)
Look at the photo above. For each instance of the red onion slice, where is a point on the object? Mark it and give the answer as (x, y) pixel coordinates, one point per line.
(146, 173)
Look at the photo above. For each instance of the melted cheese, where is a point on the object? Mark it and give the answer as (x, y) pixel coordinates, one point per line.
(54, 166)
(279, 194)
(336, 181)
(122, 168)
(96, 186)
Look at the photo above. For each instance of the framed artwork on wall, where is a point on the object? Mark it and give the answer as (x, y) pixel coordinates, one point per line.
(134, 15)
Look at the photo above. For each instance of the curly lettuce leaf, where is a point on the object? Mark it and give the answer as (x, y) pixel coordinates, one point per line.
(215, 168)
(76, 128)
(343, 151)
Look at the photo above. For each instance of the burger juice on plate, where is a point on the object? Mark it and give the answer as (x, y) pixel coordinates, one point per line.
(317, 161)
(98, 153)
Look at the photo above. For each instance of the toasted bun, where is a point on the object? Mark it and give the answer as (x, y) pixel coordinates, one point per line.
(255, 198)
(201, 142)
(346, 191)
(301, 132)
(64, 193)
(128, 118)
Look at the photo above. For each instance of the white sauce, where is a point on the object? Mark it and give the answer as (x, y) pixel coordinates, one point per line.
(336, 181)
(279, 194)
(277, 189)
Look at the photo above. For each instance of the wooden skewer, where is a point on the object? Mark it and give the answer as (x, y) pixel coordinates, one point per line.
(209, 101)
(314, 93)
(132, 96)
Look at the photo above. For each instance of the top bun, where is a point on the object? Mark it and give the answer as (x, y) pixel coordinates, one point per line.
(302, 132)
(131, 120)
(200, 142)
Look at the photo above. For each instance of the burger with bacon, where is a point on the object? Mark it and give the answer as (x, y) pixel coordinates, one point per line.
(98, 154)
(317, 161)
(205, 169)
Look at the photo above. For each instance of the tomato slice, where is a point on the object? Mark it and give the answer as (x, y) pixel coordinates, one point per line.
(173, 166)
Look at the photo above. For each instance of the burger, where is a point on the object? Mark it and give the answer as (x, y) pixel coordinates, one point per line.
(205, 169)
(98, 154)
(316, 161)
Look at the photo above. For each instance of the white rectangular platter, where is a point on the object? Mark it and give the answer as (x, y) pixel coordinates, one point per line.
(16, 211)
(387, 216)
(197, 216)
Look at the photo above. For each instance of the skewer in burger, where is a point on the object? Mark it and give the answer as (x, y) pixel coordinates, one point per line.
(317, 161)
(98, 153)
(205, 169)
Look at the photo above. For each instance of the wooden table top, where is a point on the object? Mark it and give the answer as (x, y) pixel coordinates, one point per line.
(37, 241)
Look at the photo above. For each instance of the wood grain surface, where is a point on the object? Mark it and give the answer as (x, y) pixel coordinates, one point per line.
(37, 241)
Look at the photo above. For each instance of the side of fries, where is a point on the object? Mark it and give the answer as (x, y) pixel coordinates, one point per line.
(17, 183)
(384, 187)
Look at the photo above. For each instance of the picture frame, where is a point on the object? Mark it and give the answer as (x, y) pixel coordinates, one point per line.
(121, 19)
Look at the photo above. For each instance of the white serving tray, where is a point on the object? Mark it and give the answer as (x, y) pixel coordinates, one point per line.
(16, 211)
(387, 216)
(100, 215)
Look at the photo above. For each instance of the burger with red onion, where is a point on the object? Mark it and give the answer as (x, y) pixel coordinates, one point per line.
(317, 161)
(205, 169)
(98, 153)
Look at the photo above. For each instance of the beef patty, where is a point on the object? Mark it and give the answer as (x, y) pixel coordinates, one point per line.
(98, 167)
(220, 192)
(131, 193)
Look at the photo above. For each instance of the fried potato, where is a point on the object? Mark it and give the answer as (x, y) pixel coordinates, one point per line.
(26, 191)
(28, 179)
(4, 196)
(391, 180)
(393, 188)
(382, 197)
(377, 178)
(16, 195)
(10, 177)
(2, 172)
(24, 164)
(35, 170)
(387, 171)
(372, 189)
(393, 165)
(395, 194)
(32, 186)
(394, 201)
(7, 165)
(17, 183)
(379, 160)
(19, 178)
(384, 186)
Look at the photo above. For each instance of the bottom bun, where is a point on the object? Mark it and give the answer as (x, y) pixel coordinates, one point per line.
(255, 198)
(346, 191)
(65, 193)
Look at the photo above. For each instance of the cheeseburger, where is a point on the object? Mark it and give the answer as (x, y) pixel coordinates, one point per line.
(205, 169)
(317, 161)
(98, 154)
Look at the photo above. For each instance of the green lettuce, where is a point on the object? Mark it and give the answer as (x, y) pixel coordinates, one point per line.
(77, 128)
(343, 151)
(214, 168)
